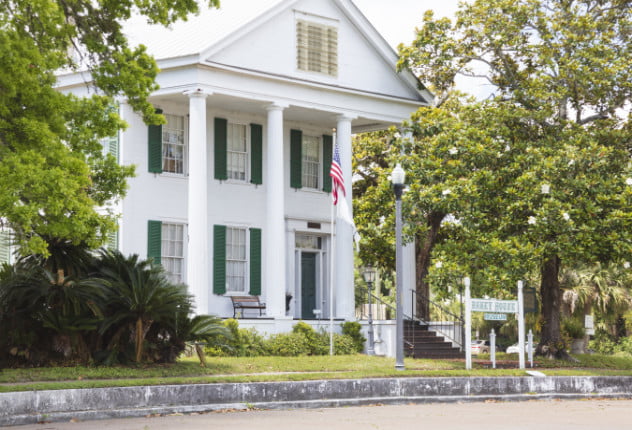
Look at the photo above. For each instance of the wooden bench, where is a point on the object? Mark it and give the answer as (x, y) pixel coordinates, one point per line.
(246, 302)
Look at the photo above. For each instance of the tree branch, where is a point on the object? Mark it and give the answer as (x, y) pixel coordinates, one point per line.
(591, 118)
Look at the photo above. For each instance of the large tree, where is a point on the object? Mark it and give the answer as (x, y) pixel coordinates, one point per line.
(53, 173)
(564, 65)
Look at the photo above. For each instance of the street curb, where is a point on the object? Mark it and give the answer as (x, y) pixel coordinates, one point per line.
(19, 408)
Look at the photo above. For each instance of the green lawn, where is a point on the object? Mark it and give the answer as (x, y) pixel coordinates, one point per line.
(234, 369)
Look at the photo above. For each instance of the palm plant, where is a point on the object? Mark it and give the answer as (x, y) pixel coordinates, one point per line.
(601, 288)
(32, 297)
(139, 295)
(197, 331)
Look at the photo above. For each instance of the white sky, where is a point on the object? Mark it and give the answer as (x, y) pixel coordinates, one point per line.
(396, 19)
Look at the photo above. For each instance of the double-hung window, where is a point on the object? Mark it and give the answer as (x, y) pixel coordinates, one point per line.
(167, 146)
(311, 162)
(236, 260)
(165, 246)
(173, 145)
(172, 251)
(237, 151)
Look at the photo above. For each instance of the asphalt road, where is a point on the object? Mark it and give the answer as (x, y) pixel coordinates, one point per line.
(538, 415)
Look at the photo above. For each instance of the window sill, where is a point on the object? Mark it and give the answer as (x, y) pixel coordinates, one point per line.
(312, 191)
(171, 175)
(236, 182)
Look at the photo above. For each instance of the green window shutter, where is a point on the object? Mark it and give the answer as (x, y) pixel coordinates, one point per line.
(154, 139)
(221, 140)
(255, 261)
(5, 247)
(113, 240)
(256, 154)
(154, 241)
(327, 155)
(219, 259)
(296, 158)
(113, 147)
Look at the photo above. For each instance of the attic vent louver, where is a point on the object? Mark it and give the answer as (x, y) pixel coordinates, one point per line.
(317, 47)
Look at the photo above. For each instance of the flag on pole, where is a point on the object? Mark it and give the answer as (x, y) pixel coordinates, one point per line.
(338, 182)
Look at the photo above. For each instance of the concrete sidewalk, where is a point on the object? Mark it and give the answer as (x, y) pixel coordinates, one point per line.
(90, 404)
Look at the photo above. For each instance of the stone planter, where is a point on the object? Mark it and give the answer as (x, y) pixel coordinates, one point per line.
(578, 346)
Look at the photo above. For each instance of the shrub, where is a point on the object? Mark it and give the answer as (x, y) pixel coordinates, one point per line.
(288, 345)
(353, 329)
(318, 342)
(243, 342)
(605, 345)
(302, 340)
(344, 345)
(573, 328)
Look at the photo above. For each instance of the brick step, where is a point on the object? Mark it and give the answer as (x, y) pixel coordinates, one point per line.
(429, 341)
(421, 334)
(434, 346)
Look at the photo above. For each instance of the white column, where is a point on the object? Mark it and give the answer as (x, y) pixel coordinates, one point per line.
(197, 245)
(274, 239)
(343, 284)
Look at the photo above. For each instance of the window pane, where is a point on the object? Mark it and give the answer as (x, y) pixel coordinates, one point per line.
(173, 151)
(236, 261)
(172, 247)
(237, 155)
(311, 162)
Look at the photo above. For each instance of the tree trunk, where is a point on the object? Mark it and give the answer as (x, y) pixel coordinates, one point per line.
(139, 339)
(423, 255)
(551, 344)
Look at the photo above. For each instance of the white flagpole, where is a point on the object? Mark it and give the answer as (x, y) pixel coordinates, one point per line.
(331, 272)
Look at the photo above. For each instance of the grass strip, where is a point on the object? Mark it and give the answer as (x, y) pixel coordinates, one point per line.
(269, 369)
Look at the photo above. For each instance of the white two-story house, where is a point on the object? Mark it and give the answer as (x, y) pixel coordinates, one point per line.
(233, 195)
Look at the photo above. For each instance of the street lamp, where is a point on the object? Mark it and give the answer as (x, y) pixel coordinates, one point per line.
(398, 176)
(369, 274)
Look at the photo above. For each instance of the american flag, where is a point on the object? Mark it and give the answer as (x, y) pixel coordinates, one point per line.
(338, 182)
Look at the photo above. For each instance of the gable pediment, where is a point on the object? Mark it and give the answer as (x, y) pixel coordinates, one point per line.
(344, 53)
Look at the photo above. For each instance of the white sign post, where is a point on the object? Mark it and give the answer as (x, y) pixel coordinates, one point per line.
(467, 344)
(492, 308)
(520, 326)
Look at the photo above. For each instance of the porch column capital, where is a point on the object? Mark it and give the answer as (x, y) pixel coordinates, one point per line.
(197, 92)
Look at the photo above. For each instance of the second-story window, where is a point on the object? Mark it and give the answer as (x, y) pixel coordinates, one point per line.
(173, 145)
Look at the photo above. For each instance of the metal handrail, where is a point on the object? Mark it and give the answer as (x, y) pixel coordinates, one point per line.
(447, 330)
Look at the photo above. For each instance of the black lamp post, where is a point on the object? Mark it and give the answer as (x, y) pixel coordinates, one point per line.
(398, 177)
(369, 275)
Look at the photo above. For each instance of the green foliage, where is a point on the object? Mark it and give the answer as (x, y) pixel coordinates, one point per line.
(353, 329)
(241, 342)
(113, 309)
(303, 340)
(555, 119)
(606, 345)
(288, 344)
(573, 328)
(53, 172)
